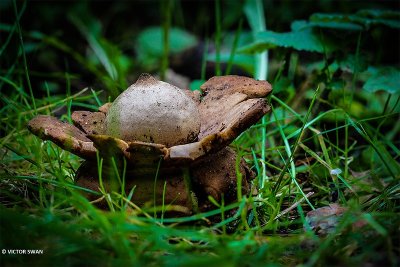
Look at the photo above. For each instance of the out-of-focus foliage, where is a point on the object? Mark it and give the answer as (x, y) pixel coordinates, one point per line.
(384, 78)
(331, 136)
(351, 49)
(150, 48)
(364, 19)
(301, 38)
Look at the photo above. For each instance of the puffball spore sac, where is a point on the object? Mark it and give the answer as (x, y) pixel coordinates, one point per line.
(155, 112)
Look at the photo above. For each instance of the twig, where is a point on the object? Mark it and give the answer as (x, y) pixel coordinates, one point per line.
(294, 205)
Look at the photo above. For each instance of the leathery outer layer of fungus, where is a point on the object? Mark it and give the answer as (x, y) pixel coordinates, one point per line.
(159, 135)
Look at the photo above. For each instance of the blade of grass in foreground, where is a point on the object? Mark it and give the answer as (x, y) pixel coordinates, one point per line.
(52, 182)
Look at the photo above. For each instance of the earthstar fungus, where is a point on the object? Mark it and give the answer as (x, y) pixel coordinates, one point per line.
(159, 129)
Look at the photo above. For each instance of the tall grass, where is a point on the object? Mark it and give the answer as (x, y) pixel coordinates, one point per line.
(297, 153)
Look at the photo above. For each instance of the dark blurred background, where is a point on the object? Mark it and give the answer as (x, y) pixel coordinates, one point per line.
(119, 23)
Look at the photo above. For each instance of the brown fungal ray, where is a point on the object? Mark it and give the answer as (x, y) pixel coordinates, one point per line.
(230, 106)
(63, 134)
(104, 108)
(146, 151)
(222, 85)
(216, 175)
(175, 192)
(89, 122)
(213, 113)
(240, 117)
(143, 158)
(148, 157)
(109, 146)
(194, 95)
(224, 93)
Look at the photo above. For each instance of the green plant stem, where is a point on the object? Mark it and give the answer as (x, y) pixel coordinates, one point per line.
(155, 187)
(346, 151)
(69, 103)
(12, 30)
(29, 160)
(355, 70)
(166, 8)
(234, 47)
(257, 23)
(204, 61)
(28, 80)
(217, 37)
(188, 184)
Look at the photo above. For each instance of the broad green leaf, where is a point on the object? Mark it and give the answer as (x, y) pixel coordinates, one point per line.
(364, 18)
(329, 24)
(383, 79)
(299, 25)
(379, 13)
(337, 25)
(336, 18)
(304, 39)
(388, 18)
(306, 36)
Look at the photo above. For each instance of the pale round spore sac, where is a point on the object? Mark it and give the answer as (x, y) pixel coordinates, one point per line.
(155, 112)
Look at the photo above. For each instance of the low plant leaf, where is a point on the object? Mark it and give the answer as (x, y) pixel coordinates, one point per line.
(364, 18)
(304, 39)
(383, 79)
(352, 63)
(329, 24)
